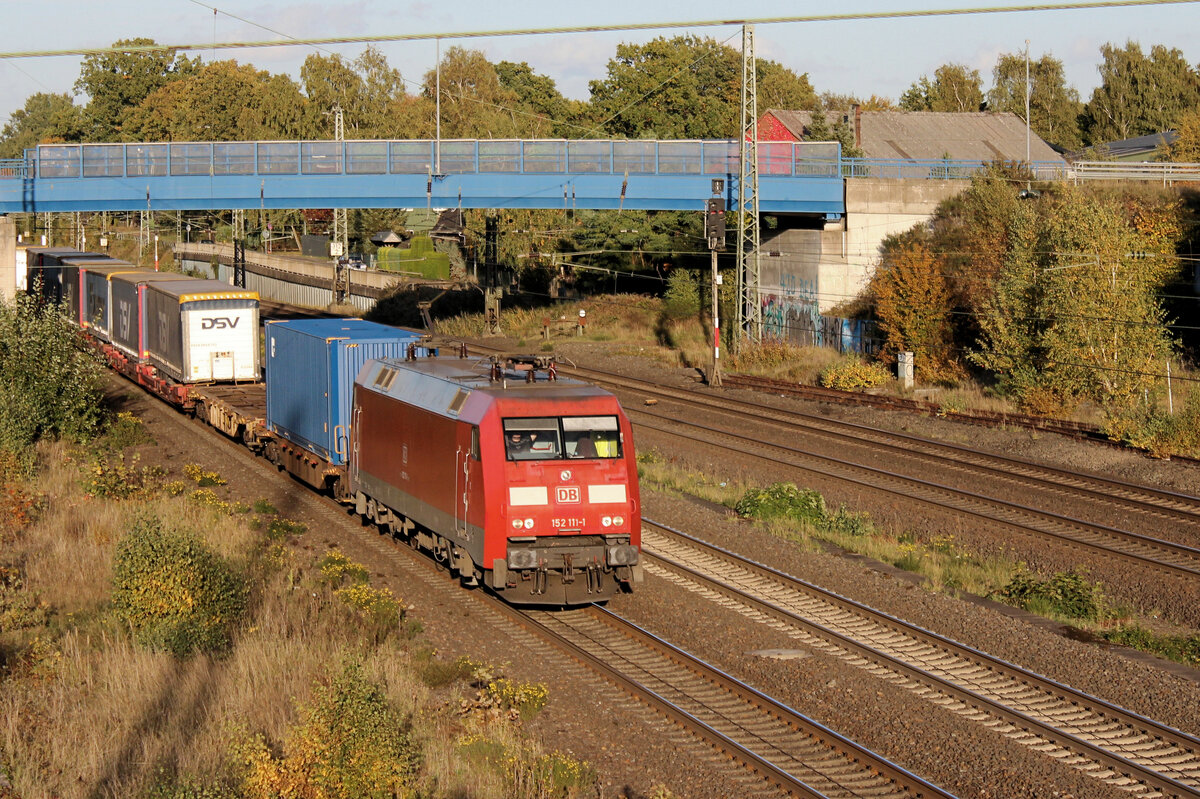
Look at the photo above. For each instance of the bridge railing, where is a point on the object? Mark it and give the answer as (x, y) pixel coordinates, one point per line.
(938, 169)
(12, 168)
(1165, 171)
(445, 157)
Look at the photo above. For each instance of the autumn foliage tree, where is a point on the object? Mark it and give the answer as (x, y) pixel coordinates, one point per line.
(1075, 313)
(912, 301)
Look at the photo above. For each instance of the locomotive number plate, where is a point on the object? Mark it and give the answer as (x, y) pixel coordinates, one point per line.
(567, 494)
(568, 522)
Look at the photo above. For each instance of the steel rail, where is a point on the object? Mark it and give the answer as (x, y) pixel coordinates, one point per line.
(1184, 553)
(906, 781)
(1160, 499)
(1163, 496)
(1022, 720)
(678, 715)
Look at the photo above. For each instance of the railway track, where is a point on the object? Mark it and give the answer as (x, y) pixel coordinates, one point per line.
(1156, 503)
(1162, 556)
(1115, 746)
(785, 748)
(787, 752)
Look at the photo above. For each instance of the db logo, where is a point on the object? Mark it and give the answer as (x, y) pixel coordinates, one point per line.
(567, 494)
(218, 322)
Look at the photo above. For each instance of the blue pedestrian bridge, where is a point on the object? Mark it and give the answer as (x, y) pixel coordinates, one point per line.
(794, 177)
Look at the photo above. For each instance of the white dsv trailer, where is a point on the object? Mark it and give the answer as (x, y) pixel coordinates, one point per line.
(202, 331)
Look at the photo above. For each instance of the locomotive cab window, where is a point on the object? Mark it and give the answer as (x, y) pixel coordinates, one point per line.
(536, 439)
(591, 436)
(556, 438)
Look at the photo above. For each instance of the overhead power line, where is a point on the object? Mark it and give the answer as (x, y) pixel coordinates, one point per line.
(637, 26)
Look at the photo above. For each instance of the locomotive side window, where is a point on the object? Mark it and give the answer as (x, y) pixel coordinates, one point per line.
(535, 439)
(475, 442)
(591, 436)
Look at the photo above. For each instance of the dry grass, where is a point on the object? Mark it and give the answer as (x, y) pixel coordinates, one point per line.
(86, 712)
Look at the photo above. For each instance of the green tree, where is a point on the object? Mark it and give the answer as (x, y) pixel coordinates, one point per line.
(1139, 94)
(682, 298)
(117, 82)
(779, 87)
(1054, 107)
(48, 386)
(680, 88)
(1186, 148)
(223, 101)
(954, 88)
(475, 105)
(1074, 315)
(365, 89)
(45, 118)
(540, 110)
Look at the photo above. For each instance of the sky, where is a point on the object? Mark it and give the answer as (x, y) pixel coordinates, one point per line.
(860, 57)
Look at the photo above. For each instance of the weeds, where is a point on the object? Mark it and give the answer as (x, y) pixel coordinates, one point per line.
(1067, 595)
(853, 373)
(1179, 648)
(124, 431)
(203, 477)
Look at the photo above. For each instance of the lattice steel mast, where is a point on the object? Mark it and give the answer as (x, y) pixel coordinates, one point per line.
(749, 310)
(340, 226)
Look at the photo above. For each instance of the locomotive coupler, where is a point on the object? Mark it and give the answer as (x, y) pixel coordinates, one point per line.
(541, 579)
(595, 578)
(568, 571)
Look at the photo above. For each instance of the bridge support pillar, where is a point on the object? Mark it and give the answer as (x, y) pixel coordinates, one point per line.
(8, 258)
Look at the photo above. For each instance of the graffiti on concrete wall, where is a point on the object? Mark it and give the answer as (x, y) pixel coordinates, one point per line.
(794, 316)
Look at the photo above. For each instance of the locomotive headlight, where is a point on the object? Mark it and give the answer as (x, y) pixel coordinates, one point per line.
(618, 520)
(522, 559)
(517, 524)
(606, 521)
(529, 524)
(622, 555)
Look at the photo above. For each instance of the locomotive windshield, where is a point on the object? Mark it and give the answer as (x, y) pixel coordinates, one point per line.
(556, 438)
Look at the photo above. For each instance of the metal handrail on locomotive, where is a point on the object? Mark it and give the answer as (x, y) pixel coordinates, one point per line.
(510, 475)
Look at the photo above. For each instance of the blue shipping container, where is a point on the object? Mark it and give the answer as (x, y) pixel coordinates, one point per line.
(311, 366)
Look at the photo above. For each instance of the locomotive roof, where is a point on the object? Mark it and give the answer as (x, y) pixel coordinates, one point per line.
(443, 385)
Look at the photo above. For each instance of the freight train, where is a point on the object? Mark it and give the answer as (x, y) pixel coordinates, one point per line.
(508, 475)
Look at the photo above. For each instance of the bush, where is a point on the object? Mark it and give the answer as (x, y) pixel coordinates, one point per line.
(349, 743)
(682, 299)
(784, 501)
(1179, 648)
(175, 592)
(49, 387)
(1067, 594)
(126, 430)
(854, 374)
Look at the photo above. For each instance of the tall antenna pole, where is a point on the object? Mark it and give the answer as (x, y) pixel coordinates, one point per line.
(749, 322)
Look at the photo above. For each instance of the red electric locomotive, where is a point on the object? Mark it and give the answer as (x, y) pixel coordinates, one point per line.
(510, 476)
